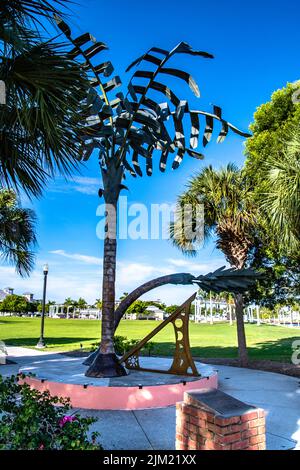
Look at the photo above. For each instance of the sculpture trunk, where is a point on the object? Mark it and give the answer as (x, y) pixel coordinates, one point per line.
(105, 362)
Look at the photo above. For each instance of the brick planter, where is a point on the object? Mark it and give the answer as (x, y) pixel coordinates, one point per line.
(209, 419)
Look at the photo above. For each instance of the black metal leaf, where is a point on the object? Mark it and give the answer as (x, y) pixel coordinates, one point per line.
(62, 25)
(136, 164)
(194, 154)
(223, 133)
(166, 91)
(181, 109)
(159, 51)
(94, 49)
(178, 159)
(149, 166)
(151, 104)
(185, 48)
(195, 130)
(131, 91)
(106, 68)
(141, 136)
(129, 168)
(164, 111)
(140, 150)
(83, 39)
(143, 74)
(125, 120)
(163, 160)
(112, 84)
(184, 76)
(218, 111)
(208, 130)
(148, 57)
(114, 103)
(179, 140)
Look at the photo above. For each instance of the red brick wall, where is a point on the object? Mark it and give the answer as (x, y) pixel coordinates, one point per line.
(199, 429)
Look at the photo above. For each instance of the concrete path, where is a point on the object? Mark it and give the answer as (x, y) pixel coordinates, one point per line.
(278, 394)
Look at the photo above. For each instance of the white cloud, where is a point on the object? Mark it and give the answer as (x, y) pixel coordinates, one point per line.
(78, 257)
(197, 268)
(83, 277)
(81, 184)
(86, 180)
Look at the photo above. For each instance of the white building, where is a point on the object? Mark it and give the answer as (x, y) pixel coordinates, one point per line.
(29, 296)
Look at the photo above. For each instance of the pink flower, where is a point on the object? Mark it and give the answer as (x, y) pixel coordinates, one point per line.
(66, 419)
(41, 447)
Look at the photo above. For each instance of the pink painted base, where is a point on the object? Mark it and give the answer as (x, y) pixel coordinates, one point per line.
(122, 398)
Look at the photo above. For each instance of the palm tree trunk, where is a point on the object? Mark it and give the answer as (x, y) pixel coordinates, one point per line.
(105, 362)
(242, 345)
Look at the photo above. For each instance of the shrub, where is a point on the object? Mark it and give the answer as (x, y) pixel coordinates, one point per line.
(33, 420)
(122, 345)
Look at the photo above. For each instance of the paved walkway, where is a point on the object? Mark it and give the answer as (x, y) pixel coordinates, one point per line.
(278, 394)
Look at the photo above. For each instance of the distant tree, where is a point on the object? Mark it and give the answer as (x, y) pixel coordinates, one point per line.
(69, 304)
(230, 216)
(139, 307)
(171, 309)
(123, 296)
(272, 166)
(15, 304)
(47, 306)
(281, 200)
(271, 128)
(98, 304)
(81, 303)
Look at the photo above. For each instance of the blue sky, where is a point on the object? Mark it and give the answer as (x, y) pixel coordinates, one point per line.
(256, 49)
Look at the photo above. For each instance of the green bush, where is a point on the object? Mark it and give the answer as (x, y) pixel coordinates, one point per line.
(122, 345)
(33, 420)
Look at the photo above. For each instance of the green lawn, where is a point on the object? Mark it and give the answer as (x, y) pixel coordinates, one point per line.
(264, 342)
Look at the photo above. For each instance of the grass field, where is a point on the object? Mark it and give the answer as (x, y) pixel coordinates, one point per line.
(219, 340)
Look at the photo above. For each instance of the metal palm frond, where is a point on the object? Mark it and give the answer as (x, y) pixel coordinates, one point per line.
(135, 123)
(232, 280)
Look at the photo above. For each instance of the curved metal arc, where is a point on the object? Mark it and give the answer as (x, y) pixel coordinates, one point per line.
(175, 368)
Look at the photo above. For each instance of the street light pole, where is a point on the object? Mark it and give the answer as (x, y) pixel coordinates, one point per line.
(41, 343)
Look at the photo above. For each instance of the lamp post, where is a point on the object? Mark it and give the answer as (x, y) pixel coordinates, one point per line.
(41, 343)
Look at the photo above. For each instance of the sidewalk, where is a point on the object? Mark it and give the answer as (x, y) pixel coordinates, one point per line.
(278, 394)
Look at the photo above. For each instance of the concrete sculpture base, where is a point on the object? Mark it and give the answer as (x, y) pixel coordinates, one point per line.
(138, 390)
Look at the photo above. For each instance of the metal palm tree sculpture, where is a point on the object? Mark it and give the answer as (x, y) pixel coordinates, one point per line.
(127, 129)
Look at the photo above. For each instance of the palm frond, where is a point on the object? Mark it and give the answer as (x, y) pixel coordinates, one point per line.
(17, 233)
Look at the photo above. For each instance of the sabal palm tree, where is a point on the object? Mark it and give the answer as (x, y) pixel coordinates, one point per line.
(130, 127)
(81, 303)
(230, 215)
(281, 200)
(44, 89)
(17, 233)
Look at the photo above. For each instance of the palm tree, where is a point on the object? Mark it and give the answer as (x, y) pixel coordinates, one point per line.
(44, 89)
(125, 128)
(17, 233)
(231, 216)
(281, 200)
(81, 303)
